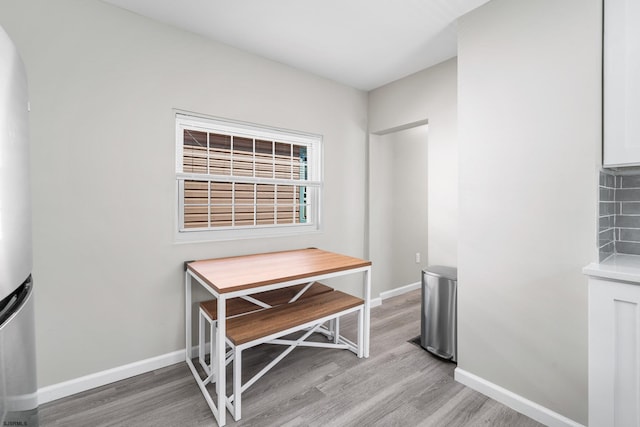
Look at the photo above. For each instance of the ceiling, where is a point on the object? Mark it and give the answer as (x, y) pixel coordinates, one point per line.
(361, 43)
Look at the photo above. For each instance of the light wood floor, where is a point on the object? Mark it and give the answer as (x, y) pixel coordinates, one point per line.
(399, 385)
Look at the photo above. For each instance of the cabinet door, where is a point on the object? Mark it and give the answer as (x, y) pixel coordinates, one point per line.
(621, 82)
(614, 362)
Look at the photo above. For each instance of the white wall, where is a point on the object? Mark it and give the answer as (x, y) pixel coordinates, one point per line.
(428, 95)
(398, 207)
(103, 86)
(409, 195)
(529, 143)
(380, 214)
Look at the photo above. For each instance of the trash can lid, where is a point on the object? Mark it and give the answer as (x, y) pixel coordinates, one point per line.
(450, 273)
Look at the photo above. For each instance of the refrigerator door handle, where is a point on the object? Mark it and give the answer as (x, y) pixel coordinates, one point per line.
(13, 302)
(18, 385)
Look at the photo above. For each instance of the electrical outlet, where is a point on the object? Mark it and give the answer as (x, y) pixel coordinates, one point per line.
(417, 257)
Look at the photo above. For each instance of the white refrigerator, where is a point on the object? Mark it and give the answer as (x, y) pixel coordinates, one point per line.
(18, 385)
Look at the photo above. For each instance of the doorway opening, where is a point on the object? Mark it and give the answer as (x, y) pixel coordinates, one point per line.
(398, 223)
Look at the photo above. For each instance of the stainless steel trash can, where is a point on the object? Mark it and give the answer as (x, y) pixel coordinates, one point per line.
(439, 334)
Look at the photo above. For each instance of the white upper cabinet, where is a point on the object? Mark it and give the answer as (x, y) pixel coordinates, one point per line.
(621, 83)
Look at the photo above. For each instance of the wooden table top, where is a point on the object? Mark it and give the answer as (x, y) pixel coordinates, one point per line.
(251, 271)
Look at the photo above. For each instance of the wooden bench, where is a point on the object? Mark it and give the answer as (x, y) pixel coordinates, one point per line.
(243, 305)
(257, 325)
(237, 306)
(269, 326)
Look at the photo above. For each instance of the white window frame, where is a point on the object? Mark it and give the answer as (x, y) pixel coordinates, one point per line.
(314, 182)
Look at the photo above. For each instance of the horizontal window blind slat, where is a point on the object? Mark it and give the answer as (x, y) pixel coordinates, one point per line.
(258, 180)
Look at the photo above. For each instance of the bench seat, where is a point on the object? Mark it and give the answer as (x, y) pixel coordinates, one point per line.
(260, 324)
(237, 306)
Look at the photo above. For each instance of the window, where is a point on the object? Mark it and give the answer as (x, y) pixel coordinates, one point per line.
(242, 180)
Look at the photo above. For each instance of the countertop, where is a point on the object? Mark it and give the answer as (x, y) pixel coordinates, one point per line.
(617, 267)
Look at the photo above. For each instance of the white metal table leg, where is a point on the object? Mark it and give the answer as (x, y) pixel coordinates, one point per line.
(367, 311)
(218, 415)
(220, 361)
(187, 315)
(361, 332)
(237, 384)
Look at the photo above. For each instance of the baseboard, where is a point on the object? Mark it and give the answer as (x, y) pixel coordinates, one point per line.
(77, 385)
(514, 401)
(399, 291)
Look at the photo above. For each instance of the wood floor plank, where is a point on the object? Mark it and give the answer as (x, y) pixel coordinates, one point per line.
(398, 385)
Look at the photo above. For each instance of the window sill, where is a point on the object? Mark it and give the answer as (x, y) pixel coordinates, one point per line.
(244, 234)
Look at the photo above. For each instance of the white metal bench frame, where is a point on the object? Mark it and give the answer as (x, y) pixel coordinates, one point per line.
(234, 404)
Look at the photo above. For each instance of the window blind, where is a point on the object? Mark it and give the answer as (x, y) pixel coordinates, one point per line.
(231, 180)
